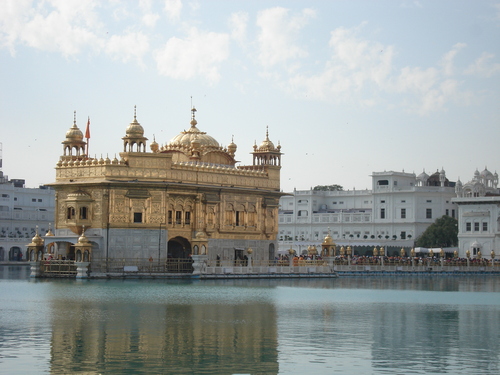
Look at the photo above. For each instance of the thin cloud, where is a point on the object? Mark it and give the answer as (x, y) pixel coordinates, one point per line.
(199, 54)
(447, 62)
(173, 9)
(483, 66)
(363, 71)
(57, 26)
(130, 46)
(238, 25)
(148, 18)
(278, 33)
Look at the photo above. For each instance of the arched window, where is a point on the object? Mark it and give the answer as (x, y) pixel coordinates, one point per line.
(70, 213)
(83, 213)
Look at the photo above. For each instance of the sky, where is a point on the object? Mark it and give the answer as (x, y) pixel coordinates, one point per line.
(347, 88)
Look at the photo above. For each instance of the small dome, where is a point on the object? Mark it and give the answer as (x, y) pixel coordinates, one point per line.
(135, 129)
(83, 239)
(486, 173)
(232, 146)
(423, 176)
(37, 240)
(74, 134)
(266, 144)
(328, 240)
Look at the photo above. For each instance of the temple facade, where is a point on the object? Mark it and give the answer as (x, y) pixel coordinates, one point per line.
(185, 197)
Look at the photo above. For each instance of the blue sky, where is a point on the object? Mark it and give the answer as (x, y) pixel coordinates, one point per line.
(346, 87)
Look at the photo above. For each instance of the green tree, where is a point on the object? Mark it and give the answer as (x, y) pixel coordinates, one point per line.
(329, 188)
(442, 233)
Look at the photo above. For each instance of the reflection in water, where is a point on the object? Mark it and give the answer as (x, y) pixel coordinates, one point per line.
(351, 325)
(191, 336)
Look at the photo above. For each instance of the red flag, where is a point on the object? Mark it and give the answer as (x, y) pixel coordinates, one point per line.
(87, 131)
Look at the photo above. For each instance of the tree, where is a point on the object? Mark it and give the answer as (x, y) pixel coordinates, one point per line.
(442, 233)
(328, 188)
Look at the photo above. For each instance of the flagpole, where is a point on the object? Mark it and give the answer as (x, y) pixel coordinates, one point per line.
(87, 135)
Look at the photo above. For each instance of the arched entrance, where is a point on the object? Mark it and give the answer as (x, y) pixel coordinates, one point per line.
(15, 253)
(178, 256)
(179, 248)
(272, 253)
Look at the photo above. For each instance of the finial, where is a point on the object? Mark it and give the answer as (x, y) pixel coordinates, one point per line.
(267, 133)
(135, 112)
(74, 117)
(193, 110)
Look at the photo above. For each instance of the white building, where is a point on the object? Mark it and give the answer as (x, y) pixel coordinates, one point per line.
(479, 215)
(393, 214)
(22, 212)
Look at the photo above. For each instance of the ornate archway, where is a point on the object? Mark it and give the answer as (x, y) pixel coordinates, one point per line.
(178, 248)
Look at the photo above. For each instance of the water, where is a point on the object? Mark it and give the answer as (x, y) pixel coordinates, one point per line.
(350, 325)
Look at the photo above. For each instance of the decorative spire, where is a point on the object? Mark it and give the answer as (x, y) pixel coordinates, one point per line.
(193, 119)
(135, 113)
(74, 118)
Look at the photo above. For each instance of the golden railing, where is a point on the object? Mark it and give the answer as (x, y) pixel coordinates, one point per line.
(58, 268)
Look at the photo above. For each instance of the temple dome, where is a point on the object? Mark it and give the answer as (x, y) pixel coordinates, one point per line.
(74, 134)
(486, 174)
(135, 129)
(186, 137)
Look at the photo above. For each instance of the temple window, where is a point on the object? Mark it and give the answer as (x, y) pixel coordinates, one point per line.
(83, 213)
(187, 218)
(137, 217)
(70, 213)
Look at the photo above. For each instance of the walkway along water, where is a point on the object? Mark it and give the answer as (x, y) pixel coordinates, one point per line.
(198, 266)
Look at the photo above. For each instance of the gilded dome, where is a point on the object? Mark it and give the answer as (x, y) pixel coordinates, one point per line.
(266, 144)
(135, 129)
(74, 134)
(185, 138)
(328, 240)
(83, 239)
(37, 240)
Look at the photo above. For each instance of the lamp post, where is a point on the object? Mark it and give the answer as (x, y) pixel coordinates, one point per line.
(492, 258)
(467, 255)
